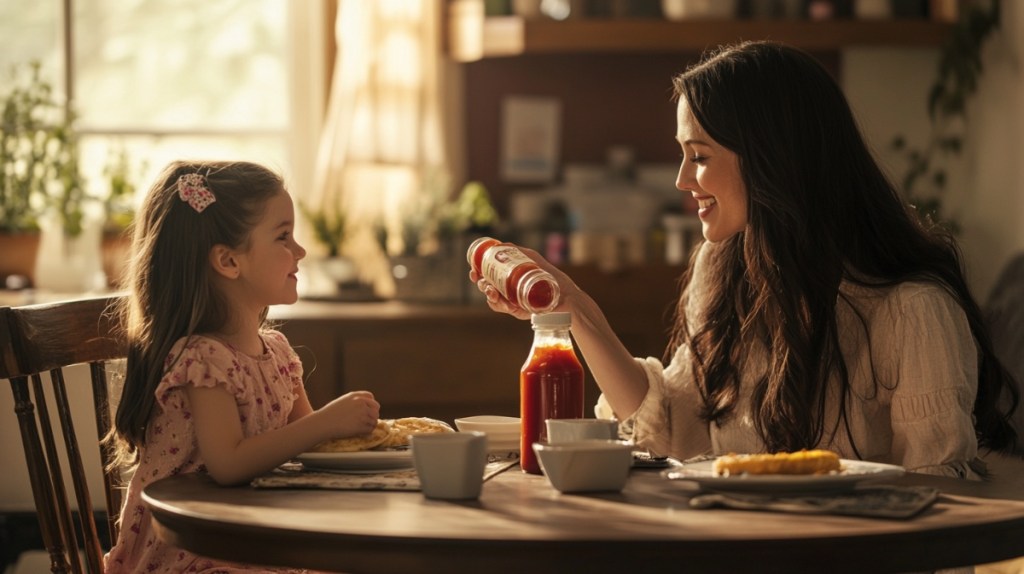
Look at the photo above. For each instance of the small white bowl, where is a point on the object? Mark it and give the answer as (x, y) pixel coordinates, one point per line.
(586, 466)
(502, 432)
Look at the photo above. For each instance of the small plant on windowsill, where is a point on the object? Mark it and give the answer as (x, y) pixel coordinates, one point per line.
(38, 157)
(959, 70)
(333, 271)
(119, 205)
(329, 227)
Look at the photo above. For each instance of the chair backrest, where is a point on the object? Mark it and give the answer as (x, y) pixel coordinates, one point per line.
(37, 344)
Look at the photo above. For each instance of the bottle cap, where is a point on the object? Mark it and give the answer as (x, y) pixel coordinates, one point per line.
(557, 319)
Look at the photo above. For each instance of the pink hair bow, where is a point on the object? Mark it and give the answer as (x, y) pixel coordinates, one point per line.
(192, 190)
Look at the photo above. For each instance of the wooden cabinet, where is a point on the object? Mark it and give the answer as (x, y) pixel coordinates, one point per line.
(472, 36)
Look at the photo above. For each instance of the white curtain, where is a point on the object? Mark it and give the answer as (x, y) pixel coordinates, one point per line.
(386, 138)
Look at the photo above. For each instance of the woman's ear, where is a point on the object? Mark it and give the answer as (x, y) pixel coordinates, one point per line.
(224, 262)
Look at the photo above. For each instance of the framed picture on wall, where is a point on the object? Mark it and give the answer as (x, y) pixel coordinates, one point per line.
(530, 139)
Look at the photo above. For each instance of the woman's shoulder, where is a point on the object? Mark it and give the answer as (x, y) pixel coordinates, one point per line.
(908, 304)
(901, 295)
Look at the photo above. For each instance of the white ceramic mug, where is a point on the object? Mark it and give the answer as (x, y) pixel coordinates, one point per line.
(450, 465)
(572, 430)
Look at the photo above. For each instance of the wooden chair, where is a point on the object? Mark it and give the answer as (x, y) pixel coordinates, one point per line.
(37, 344)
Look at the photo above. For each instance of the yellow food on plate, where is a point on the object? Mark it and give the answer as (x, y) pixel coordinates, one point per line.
(389, 433)
(375, 438)
(802, 462)
(403, 428)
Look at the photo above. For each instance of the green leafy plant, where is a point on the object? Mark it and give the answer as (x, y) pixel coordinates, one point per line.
(472, 210)
(959, 70)
(39, 170)
(329, 227)
(119, 204)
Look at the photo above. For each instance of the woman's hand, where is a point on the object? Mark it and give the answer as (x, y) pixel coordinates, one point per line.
(496, 302)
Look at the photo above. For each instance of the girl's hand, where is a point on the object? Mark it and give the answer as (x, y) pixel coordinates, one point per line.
(352, 414)
(496, 302)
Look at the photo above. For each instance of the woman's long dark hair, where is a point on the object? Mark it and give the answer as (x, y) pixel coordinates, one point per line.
(821, 211)
(170, 291)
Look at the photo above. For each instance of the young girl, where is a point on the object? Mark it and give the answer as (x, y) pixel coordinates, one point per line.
(820, 311)
(209, 388)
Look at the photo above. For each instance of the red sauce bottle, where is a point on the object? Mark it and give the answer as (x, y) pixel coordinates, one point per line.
(517, 277)
(550, 384)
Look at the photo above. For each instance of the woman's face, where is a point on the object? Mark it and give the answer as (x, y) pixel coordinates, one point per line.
(711, 173)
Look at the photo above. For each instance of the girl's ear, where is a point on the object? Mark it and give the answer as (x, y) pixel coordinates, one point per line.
(224, 262)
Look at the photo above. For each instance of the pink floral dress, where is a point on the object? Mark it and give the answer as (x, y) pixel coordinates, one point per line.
(265, 388)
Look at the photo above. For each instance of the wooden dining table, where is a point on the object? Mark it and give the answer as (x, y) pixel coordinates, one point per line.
(521, 524)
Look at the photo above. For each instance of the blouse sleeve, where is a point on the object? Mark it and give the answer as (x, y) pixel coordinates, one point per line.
(936, 375)
(667, 422)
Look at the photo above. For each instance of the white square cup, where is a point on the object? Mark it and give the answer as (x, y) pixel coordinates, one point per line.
(450, 465)
(573, 430)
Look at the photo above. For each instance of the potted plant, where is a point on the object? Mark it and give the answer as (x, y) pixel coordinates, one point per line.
(49, 241)
(39, 169)
(958, 74)
(119, 212)
(431, 264)
(332, 271)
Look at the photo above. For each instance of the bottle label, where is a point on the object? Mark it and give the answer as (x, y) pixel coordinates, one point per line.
(498, 264)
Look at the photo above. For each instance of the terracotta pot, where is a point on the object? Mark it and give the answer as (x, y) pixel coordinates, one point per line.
(18, 257)
(116, 252)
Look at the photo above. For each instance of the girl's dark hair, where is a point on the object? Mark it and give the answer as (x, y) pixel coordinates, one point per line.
(821, 211)
(170, 291)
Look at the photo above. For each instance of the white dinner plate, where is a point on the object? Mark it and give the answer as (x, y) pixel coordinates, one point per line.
(852, 473)
(362, 462)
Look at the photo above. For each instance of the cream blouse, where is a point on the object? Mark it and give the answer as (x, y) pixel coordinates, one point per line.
(917, 344)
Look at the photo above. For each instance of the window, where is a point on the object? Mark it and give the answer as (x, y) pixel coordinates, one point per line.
(170, 79)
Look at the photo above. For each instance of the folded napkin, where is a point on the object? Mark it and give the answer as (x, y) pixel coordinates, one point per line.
(295, 475)
(881, 501)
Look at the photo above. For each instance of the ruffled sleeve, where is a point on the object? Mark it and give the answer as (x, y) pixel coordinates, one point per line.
(202, 362)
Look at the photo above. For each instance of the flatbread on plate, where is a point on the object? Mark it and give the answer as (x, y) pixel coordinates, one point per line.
(357, 443)
(403, 428)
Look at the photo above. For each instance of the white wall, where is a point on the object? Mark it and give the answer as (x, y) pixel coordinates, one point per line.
(888, 90)
(991, 199)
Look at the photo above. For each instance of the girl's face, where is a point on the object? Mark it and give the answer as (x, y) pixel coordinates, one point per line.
(711, 173)
(270, 264)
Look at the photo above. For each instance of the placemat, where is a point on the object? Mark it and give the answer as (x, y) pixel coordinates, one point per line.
(294, 475)
(881, 501)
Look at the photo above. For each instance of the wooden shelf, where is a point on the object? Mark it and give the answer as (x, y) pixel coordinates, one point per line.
(473, 36)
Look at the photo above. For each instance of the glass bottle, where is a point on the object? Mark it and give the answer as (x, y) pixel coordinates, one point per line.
(517, 277)
(550, 384)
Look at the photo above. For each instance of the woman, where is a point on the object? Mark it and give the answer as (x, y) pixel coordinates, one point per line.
(820, 311)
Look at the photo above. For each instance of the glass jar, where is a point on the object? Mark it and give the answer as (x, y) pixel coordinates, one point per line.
(550, 384)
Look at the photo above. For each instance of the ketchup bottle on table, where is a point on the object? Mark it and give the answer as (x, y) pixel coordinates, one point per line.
(517, 277)
(550, 384)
